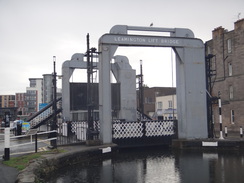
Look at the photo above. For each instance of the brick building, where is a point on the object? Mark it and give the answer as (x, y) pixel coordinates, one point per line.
(7, 104)
(7, 101)
(227, 65)
(20, 103)
(150, 95)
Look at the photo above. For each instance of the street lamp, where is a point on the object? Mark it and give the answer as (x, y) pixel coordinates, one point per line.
(141, 99)
(54, 121)
(140, 92)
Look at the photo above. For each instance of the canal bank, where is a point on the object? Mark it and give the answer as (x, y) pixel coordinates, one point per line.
(233, 141)
(233, 144)
(158, 164)
(50, 163)
(41, 168)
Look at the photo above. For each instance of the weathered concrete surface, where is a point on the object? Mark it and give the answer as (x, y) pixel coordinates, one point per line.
(41, 168)
(233, 144)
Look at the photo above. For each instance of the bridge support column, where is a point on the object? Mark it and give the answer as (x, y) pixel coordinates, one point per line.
(126, 76)
(105, 112)
(191, 93)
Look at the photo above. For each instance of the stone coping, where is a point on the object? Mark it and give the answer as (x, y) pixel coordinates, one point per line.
(39, 169)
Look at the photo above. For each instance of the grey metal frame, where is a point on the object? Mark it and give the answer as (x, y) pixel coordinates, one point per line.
(190, 76)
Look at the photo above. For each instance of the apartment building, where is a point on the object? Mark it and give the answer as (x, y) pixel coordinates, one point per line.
(20, 103)
(7, 101)
(34, 95)
(150, 95)
(165, 107)
(7, 104)
(227, 74)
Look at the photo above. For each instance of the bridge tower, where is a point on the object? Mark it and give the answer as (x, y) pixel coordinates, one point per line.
(190, 77)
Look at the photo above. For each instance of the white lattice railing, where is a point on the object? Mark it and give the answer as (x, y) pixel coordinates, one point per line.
(127, 130)
(43, 114)
(159, 128)
(138, 129)
(122, 130)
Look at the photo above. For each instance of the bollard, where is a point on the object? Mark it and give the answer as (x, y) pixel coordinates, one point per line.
(36, 142)
(226, 131)
(220, 120)
(6, 156)
(241, 132)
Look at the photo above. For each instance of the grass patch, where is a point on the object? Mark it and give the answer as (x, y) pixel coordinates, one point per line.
(21, 162)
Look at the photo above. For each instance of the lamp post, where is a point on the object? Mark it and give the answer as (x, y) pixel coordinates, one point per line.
(54, 121)
(210, 72)
(141, 96)
(89, 87)
(140, 92)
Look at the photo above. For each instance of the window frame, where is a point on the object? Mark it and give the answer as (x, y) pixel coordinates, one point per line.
(232, 116)
(229, 45)
(231, 92)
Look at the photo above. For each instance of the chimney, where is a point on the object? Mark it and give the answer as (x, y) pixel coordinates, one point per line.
(218, 32)
(239, 24)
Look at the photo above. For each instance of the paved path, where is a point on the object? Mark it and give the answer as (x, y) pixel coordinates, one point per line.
(7, 174)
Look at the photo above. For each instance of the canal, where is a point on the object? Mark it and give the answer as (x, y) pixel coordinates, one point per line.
(156, 165)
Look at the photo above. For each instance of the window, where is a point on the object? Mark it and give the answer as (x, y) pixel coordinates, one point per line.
(229, 45)
(160, 105)
(32, 83)
(208, 50)
(148, 100)
(231, 92)
(232, 116)
(230, 68)
(170, 103)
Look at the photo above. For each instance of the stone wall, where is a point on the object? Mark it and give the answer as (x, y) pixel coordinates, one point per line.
(229, 66)
(42, 168)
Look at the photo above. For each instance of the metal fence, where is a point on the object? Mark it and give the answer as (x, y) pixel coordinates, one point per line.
(74, 131)
(140, 133)
(124, 132)
(10, 141)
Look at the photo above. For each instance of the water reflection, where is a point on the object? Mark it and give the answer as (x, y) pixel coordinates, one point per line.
(158, 165)
(145, 166)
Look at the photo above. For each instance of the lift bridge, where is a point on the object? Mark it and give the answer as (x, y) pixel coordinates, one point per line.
(142, 132)
(130, 127)
(125, 127)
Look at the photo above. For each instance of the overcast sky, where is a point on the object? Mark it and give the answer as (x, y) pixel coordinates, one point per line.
(33, 31)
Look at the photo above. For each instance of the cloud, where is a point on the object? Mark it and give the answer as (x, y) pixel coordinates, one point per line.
(31, 32)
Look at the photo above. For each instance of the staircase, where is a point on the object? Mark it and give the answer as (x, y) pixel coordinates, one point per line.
(44, 115)
(142, 116)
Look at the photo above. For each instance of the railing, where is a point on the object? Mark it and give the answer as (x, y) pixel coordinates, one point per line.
(134, 129)
(138, 133)
(142, 116)
(8, 145)
(44, 114)
(31, 138)
(124, 132)
(2, 134)
(74, 132)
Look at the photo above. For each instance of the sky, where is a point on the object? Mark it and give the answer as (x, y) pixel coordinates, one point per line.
(33, 31)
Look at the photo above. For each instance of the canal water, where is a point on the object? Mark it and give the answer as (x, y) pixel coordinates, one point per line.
(156, 165)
